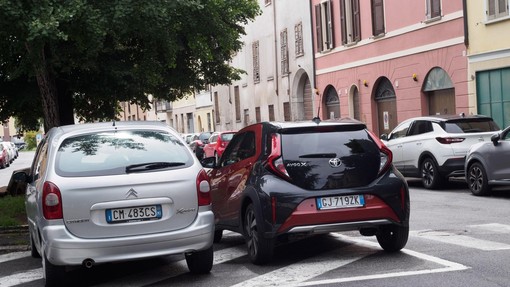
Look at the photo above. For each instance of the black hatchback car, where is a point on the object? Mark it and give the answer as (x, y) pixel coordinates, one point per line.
(279, 181)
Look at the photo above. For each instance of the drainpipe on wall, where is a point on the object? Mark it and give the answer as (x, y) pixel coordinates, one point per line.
(312, 26)
(275, 49)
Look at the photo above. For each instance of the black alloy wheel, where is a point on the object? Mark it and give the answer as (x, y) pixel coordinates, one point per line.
(430, 176)
(260, 249)
(477, 180)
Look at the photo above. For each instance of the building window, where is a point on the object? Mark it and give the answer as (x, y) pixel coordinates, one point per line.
(246, 117)
(377, 17)
(298, 33)
(284, 52)
(324, 26)
(238, 103)
(216, 108)
(271, 113)
(350, 21)
(433, 9)
(257, 114)
(286, 111)
(497, 9)
(256, 62)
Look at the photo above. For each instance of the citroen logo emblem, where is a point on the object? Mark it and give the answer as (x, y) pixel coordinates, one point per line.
(335, 162)
(131, 193)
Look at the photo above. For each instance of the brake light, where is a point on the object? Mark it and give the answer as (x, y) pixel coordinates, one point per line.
(51, 201)
(203, 189)
(385, 153)
(449, 140)
(275, 161)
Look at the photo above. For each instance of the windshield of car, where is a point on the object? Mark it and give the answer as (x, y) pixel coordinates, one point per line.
(470, 126)
(325, 160)
(227, 136)
(110, 153)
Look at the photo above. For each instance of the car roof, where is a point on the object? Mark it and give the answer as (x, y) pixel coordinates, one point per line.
(311, 123)
(91, 127)
(445, 118)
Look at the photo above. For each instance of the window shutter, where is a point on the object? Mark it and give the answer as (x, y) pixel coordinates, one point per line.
(331, 40)
(343, 23)
(435, 8)
(318, 28)
(377, 17)
(356, 21)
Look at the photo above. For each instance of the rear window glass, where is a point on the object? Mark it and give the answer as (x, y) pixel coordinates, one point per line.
(329, 160)
(471, 126)
(227, 136)
(110, 153)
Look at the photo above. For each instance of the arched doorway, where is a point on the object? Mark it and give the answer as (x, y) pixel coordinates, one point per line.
(440, 92)
(302, 100)
(386, 102)
(354, 103)
(331, 104)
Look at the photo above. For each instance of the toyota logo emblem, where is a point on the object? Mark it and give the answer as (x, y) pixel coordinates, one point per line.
(335, 162)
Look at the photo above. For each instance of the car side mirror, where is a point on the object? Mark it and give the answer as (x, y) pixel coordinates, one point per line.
(21, 176)
(208, 162)
(384, 137)
(495, 138)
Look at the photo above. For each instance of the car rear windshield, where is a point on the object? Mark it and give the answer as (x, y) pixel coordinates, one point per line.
(329, 160)
(227, 136)
(470, 126)
(119, 152)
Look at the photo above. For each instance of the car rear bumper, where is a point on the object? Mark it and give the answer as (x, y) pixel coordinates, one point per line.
(453, 167)
(307, 218)
(63, 248)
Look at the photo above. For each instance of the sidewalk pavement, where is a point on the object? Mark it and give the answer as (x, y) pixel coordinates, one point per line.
(14, 239)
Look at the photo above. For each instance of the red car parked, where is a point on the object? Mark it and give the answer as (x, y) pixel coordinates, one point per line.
(217, 144)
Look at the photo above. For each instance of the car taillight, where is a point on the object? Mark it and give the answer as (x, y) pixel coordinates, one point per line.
(449, 140)
(275, 161)
(385, 153)
(51, 201)
(203, 189)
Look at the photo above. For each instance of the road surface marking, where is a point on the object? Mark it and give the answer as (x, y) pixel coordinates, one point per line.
(20, 278)
(461, 240)
(493, 227)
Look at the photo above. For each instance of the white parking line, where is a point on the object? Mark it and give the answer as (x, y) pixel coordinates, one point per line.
(13, 256)
(20, 278)
(493, 227)
(461, 240)
(448, 266)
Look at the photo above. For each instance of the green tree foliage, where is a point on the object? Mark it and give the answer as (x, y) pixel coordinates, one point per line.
(77, 56)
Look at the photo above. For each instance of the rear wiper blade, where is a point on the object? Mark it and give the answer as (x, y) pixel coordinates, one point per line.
(151, 166)
(318, 155)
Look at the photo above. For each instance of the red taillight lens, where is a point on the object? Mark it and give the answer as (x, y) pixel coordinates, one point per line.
(449, 140)
(52, 201)
(385, 152)
(275, 161)
(203, 189)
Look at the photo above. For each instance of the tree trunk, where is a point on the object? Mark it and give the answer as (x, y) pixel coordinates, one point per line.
(47, 89)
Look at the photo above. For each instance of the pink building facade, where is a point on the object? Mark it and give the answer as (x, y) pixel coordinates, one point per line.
(382, 62)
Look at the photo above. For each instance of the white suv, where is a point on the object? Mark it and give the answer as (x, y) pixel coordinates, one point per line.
(434, 148)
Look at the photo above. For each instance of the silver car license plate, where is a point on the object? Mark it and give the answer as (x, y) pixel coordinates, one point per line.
(130, 214)
(341, 201)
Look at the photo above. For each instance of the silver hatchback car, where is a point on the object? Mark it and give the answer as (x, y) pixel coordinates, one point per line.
(107, 192)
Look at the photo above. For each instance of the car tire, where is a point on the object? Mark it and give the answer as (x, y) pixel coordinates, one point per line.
(260, 249)
(218, 234)
(430, 176)
(477, 180)
(392, 238)
(54, 275)
(33, 249)
(200, 262)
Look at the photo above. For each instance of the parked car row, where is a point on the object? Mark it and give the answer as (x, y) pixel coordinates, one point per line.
(8, 153)
(436, 148)
(103, 192)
